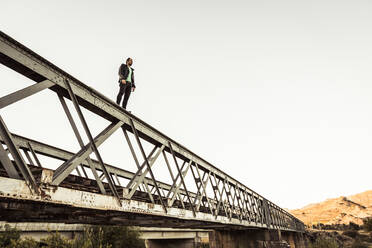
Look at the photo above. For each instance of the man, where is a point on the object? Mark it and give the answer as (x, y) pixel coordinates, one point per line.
(126, 82)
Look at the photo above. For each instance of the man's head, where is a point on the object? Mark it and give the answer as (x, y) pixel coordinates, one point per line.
(129, 61)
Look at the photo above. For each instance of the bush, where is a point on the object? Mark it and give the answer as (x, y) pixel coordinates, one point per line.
(364, 237)
(56, 240)
(94, 237)
(322, 242)
(25, 243)
(367, 224)
(90, 240)
(10, 235)
(116, 237)
(359, 244)
(351, 233)
(353, 226)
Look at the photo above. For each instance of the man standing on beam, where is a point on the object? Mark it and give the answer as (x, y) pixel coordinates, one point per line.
(126, 82)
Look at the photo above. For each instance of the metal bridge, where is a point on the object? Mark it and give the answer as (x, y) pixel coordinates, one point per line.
(86, 190)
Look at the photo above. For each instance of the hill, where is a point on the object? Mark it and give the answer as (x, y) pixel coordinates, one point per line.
(341, 210)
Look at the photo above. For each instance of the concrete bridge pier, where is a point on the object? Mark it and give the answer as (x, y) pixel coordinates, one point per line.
(173, 238)
(254, 239)
(296, 240)
(172, 243)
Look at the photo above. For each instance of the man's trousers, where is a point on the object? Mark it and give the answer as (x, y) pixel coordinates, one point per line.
(125, 89)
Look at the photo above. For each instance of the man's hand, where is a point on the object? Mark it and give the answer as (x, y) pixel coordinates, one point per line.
(123, 81)
(133, 88)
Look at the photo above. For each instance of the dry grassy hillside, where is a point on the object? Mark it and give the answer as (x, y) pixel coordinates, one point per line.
(342, 210)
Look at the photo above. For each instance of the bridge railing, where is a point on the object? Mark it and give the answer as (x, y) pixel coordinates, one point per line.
(217, 194)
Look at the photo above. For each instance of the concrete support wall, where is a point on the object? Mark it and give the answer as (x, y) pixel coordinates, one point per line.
(295, 240)
(254, 239)
(171, 243)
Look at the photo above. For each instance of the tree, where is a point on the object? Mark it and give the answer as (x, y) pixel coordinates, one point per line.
(367, 224)
(324, 242)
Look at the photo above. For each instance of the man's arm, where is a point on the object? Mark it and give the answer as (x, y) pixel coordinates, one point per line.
(133, 84)
(121, 71)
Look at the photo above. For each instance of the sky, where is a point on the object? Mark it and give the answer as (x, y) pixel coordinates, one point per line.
(277, 94)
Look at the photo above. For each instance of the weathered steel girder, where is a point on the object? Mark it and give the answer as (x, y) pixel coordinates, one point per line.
(219, 200)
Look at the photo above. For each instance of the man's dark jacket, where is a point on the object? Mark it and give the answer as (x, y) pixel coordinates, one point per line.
(123, 74)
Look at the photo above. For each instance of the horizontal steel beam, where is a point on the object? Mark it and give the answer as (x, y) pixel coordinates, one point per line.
(77, 200)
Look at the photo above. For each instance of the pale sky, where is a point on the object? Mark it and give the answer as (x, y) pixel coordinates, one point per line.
(276, 94)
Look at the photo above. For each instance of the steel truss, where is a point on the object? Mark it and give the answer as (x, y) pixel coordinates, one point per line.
(226, 197)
